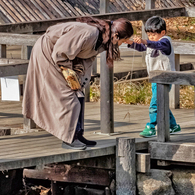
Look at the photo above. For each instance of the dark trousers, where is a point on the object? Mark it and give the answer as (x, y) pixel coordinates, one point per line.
(80, 123)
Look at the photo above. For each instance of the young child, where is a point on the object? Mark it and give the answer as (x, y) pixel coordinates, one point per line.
(159, 56)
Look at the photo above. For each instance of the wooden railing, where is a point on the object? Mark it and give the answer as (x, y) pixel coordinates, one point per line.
(163, 80)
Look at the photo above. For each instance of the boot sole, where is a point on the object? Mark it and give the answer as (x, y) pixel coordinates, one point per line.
(66, 146)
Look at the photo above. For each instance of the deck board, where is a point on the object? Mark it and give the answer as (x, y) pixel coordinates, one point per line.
(37, 148)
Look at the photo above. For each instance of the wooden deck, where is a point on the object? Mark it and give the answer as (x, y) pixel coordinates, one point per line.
(38, 148)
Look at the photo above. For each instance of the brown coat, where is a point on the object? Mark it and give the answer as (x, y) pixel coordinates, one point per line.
(47, 98)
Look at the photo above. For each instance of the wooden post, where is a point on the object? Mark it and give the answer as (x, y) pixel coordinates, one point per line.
(125, 166)
(163, 113)
(2, 51)
(94, 67)
(25, 54)
(53, 188)
(150, 4)
(174, 93)
(106, 101)
(106, 85)
(87, 93)
(104, 6)
(87, 88)
(143, 162)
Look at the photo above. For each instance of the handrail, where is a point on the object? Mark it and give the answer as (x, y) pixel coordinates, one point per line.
(172, 77)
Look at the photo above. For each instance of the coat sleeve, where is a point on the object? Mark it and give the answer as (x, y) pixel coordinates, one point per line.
(67, 47)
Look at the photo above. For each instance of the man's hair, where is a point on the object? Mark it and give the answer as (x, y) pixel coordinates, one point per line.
(155, 24)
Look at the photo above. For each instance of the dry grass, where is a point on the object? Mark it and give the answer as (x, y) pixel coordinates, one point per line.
(179, 28)
(140, 94)
(187, 97)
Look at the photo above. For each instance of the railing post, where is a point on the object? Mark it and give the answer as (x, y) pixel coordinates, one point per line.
(25, 54)
(2, 51)
(87, 88)
(163, 113)
(125, 166)
(174, 93)
(150, 4)
(94, 67)
(104, 6)
(106, 85)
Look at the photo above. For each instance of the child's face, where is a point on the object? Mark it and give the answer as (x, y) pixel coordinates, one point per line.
(155, 36)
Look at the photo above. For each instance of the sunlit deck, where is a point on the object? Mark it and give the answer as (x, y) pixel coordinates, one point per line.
(38, 148)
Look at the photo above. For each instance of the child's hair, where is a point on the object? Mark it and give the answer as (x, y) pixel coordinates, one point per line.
(155, 24)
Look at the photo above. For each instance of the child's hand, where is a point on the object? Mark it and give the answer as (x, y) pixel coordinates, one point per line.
(140, 40)
(137, 40)
(129, 42)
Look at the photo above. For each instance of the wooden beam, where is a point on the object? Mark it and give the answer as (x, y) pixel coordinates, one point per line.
(143, 162)
(172, 77)
(190, 11)
(13, 69)
(12, 61)
(180, 47)
(184, 47)
(2, 50)
(106, 100)
(63, 156)
(41, 26)
(174, 93)
(163, 134)
(71, 174)
(172, 151)
(125, 166)
(18, 39)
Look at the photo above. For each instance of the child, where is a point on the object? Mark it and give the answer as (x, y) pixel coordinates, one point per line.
(159, 56)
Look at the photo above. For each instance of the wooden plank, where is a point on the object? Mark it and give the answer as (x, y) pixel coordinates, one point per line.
(23, 11)
(172, 77)
(49, 156)
(15, 11)
(12, 61)
(163, 134)
(18, 39)
(143, 162)
(71, 174)
(180, 47)
(41, 26)
(174, 93)
(179, 152)
(13, 69)
(190, 11)
(184, 47)
(9, 12)
(125, 166)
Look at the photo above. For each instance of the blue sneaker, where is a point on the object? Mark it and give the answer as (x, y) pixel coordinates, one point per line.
(148, 132)
(175, 130)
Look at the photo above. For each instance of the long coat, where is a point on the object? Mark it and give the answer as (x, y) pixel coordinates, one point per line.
(48, 100)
